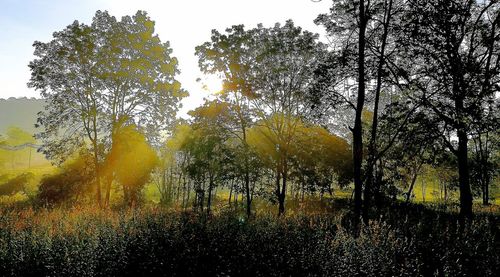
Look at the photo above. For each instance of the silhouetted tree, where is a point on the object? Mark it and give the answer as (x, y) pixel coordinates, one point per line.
(345, 71)
(211, 156)
(453, 47)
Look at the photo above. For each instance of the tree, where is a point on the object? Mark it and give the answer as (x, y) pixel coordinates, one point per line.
(355, 78)
(454, 48)
(92, 76)
(307, 153)
(138, 73)
(172, 169)
(272, 69)
(416, 144)
(65, 73)
(211, 156)
(347, 24)
(485, 146)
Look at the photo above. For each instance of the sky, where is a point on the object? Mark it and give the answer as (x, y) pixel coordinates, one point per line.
(184, 23)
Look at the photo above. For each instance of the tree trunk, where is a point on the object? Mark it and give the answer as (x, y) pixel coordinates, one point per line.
(247, 190)
(109, 181)
(231, 192)
(423, 189)
(163, 191)
(188, 196)
(463, 175)
(282, 195)
(486, 193)
(372, 147)
(357, 131)
(178, 191)
(97, 174)
(281, 207)
(209, 200)
(485, 175)
(412, 184)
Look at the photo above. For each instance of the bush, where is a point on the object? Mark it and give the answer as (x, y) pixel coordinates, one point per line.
(15, 185)
(70, 184)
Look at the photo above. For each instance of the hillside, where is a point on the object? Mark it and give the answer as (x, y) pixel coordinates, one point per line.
(19, 112)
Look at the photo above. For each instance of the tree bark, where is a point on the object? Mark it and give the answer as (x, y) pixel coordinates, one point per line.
(209, 200)
(463, 175)
(413, 181)
(97, 174)
(278, 191)
(109, 181)
(283, 189)
(357, 131)
(247, 189)
(370, 186)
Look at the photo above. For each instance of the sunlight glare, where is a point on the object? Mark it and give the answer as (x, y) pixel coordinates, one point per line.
(212, 84)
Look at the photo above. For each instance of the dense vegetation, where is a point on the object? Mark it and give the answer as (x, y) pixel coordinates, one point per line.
(410, 241)
(305, 163)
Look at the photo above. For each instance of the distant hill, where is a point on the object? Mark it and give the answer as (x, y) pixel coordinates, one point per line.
(20, 112)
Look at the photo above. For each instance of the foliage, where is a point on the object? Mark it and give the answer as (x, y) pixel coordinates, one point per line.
(93, 75)
(309, 148)
(407, 90)
(454, 48)
(131, 161)
(15, 184)
(72, 183)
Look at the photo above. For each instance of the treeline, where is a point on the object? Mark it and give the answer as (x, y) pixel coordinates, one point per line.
(401, 86)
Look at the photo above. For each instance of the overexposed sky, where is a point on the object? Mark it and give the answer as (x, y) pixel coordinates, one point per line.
(185, 23)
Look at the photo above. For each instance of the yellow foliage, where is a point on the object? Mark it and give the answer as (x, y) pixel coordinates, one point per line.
(211, 110)
(181, 135)
(131, 159)
(366, 116)
(280, 137)
(275, 138)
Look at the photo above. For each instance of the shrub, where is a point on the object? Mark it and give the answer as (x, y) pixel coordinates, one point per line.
(15, 184)
(70, 184)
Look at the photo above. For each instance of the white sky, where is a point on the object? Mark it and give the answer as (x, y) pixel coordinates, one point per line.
(185, 23)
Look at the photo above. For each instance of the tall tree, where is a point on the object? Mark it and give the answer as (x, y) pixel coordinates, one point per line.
(454, 48)
(66, 75)
(138, 73)
(226, 55)
(272, 68)
(485, 147)
(138, 76)
(211, 156)
(347, 25)
(92, 76)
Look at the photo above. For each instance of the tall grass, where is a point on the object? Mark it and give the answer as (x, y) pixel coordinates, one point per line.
(86, 241)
